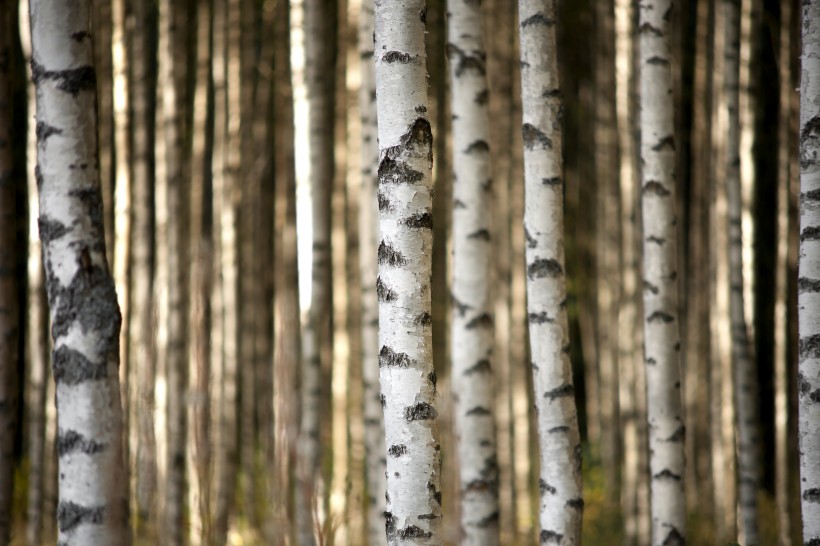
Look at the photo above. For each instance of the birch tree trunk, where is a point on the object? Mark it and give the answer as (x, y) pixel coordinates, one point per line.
(369, 242)
(745, 374)
(472, 339)
(172, 20)
(407, 377)
(85, 317)
(8, 281)
(317, 336)
(660, 286)
(808, 284)
(561, 503)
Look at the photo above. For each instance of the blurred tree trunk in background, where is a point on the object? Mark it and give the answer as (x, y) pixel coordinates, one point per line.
(9, 316)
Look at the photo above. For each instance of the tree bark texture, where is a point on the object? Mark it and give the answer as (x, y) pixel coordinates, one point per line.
(413, 502)
(744, 369)
(808, 284)
(561, 504)
(85, 317)
(368, 243)
(660, 286)
(9, 327)
(472, 338)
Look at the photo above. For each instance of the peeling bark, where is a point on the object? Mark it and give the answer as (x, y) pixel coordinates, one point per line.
(84, 313)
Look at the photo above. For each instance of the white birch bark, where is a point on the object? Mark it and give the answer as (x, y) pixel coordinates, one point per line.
(407, 377)
(745, 374)
(660, 286)
(9, 330)
(85, 317)
(808, 283)
(561, 503)
(473, 314)
(368, 243)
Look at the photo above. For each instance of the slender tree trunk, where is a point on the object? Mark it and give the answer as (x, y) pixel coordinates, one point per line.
(660, 292)
(84, 313)
(557, 423)
(316, 338)
(199, 362)
(368, 243)
(176, 254)
(473, 314)
(745, 374)
(407, 377)
(36, 334)
(105, 113)
(808, 285)
(9, 326)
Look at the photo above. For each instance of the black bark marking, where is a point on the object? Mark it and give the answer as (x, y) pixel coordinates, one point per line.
(421, 109)
(666, 143)
(544, 487)
(423, 319)
(551, 537)
(666, 474)
(390, 524)
(815, 396)
(420, 411)
(552, 94)
(392, 171)
(44, 130)
(482, 97)
(461, 308)
(484, 320)
(576, 503)
(651, 361)
(655, 187)
(427, 516)
(459, 204)
(809, 347)
(538, 19)
(388, 357)
(479, 410)
(660, 316)
(90, 298)
(539, 318)
(481, 234)
(647, 28)
(534, 138)
(398, 57)
(812, 495)
(384, 203)
(411, 531)
(678, 435)
(811, 233)
(50, 229)
(71, 515)
(433, 379)
(658, 61)
(382, 401)
(660, 241)
(390, 256)
(488, 521)
(531, 242)
(544, 267)
(480, 486)
(466, 61)
(71, 367)
(553, 181)
(481, 367)
(71, 441)
(72, 80)
(560, 392)
(558, 430)
(383, 293)
(434, 493)
(80, 36)
(674, 538)
(422, 220)
(478, 146)
(650, 287)
(809, 142)
(813, 195)
(397, 450)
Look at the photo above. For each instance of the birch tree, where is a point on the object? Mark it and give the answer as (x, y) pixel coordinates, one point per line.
(660, 286)
(561, 503)
(473, 313)
(8, 280)
(369, 242)
(84, 313)
(745, 384)
(407, 377)
(808, 283)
